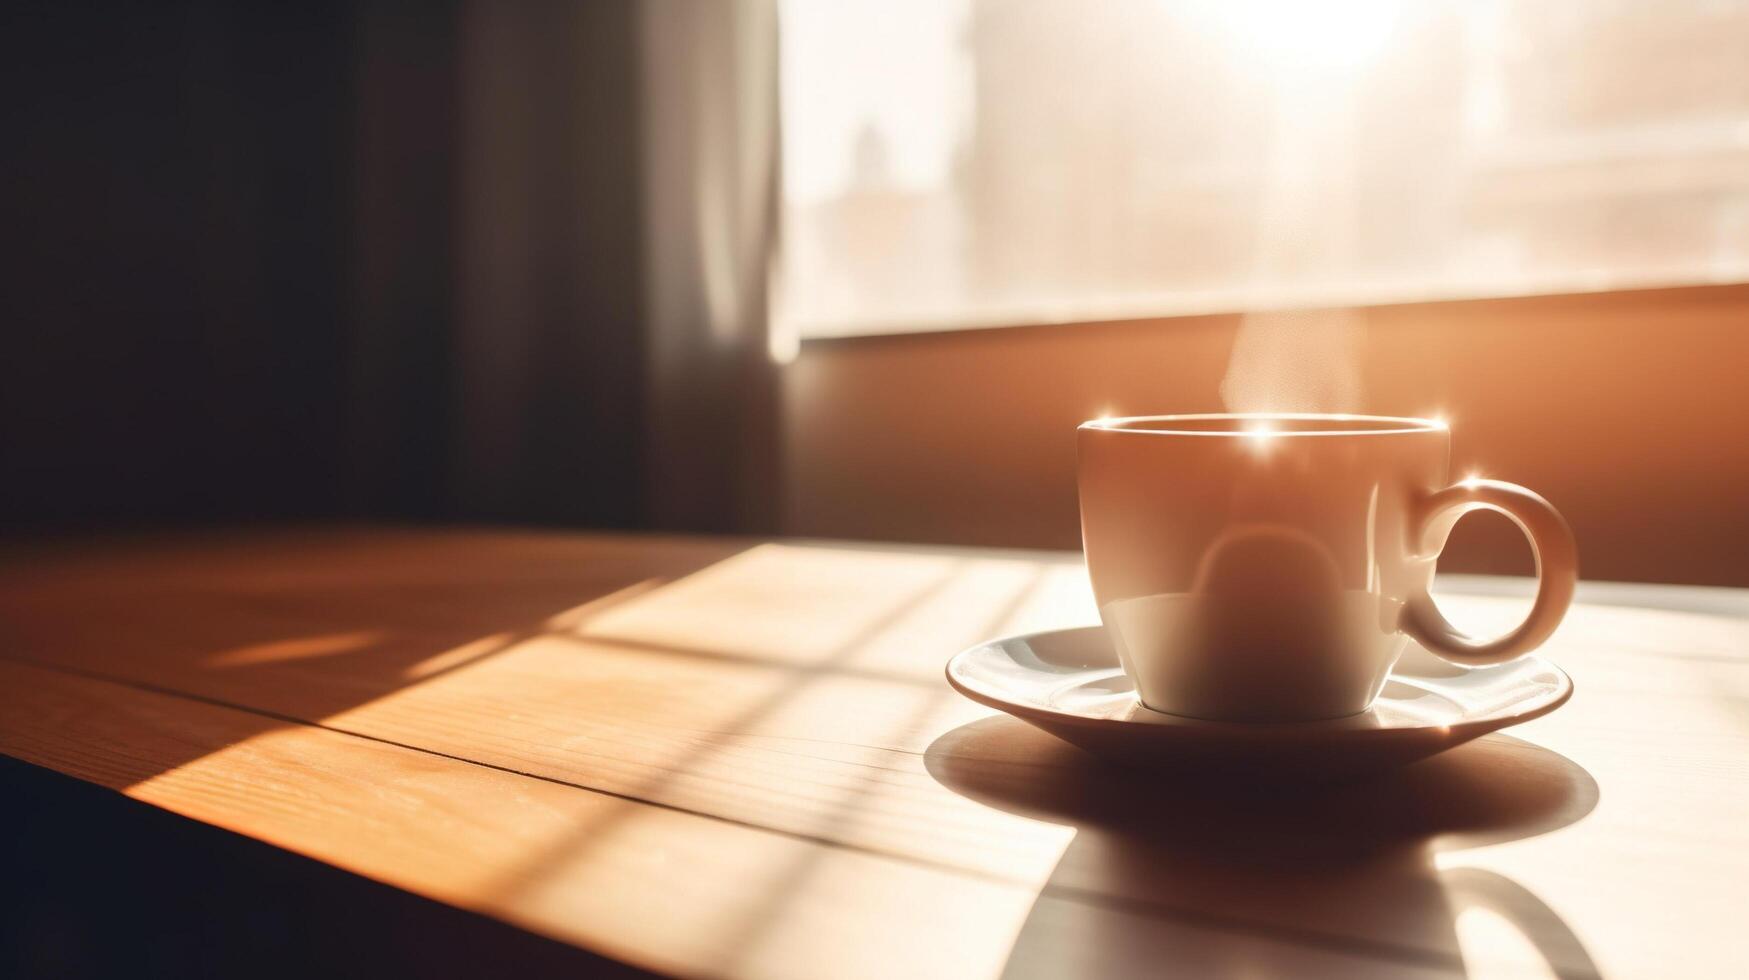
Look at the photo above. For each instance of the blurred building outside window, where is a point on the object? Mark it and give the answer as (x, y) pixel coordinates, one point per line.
(964, 163)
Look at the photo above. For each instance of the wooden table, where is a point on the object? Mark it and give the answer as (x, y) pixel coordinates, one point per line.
(737, 758)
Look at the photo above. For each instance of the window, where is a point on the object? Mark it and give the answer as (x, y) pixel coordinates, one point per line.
(987, 162)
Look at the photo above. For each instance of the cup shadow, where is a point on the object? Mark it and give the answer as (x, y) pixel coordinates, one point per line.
(1201, 874)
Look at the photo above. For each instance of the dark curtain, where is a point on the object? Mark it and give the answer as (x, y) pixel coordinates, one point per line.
(173, 242)
(319, 260)
(550, 345)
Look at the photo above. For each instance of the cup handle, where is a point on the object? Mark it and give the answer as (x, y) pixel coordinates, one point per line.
(1557, 570)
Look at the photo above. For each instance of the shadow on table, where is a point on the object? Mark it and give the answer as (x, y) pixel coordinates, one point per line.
(95, 885)
(295, 627)
(1196, 876)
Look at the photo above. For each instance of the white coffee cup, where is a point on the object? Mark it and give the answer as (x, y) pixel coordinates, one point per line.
(1272, 567)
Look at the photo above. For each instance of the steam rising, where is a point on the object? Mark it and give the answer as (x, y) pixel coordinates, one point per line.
(1296, 362)
(1307, 233)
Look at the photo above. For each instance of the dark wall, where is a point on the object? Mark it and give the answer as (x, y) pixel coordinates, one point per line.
(174, 236)
(235, 243)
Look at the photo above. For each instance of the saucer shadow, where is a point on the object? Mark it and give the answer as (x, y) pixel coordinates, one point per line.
(1176, 874)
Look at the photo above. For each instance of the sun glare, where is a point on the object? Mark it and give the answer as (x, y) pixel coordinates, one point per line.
(1259, 435)
(1332, 34)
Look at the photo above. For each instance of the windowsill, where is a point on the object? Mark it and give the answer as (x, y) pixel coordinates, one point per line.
(1241, 303)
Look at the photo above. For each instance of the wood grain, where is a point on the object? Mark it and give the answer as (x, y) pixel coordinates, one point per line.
(784, 700)
(657, 888)
(648, 885)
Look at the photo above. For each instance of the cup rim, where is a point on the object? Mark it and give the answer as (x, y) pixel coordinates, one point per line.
(1253, 424)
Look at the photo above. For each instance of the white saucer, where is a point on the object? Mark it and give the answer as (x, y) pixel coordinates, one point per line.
(1068, 683)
